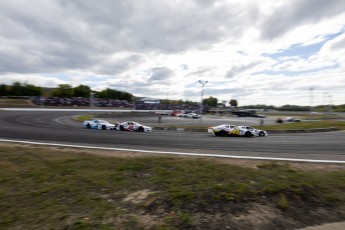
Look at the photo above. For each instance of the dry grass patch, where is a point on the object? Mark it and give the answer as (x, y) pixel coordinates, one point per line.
(62, 188)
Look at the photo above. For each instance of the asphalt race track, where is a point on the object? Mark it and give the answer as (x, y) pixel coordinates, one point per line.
(58, 127)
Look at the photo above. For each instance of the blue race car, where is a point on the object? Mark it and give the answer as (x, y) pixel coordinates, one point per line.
(98, 124)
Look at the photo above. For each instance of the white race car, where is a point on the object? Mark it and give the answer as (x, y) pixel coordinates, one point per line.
(98, 124)
(233, 130)
(257, 132)
(132, 126)
(192, 115)
(291, 119)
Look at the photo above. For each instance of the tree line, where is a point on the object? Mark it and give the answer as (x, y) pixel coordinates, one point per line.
(18, 89)
(66, 90)
(63, 90)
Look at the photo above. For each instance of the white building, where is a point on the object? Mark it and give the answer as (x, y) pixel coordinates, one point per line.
(147, 100)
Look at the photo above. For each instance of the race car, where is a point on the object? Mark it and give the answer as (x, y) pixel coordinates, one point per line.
(291, 119)
(98, 124)
(233, 130)
(229, 130)
(132, 126)
(192, 115)
(257, 132)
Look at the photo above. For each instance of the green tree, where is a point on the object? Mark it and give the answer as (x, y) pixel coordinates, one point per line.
(233, 102)
(211, 101)
(3, 90)
(16, 89)
(32, 90)
(82, 91)
(19, 89)
(107, 93)
(114, 94)
(127, 96)
(294, 108)
(64, 90)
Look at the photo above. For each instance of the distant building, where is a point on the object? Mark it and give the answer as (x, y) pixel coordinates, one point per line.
(147, 100)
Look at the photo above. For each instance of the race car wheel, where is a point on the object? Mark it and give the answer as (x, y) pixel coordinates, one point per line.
(88, 126)
(140, 129)
(122, 128)
(261, 134)
(248, 134)
(104, 127)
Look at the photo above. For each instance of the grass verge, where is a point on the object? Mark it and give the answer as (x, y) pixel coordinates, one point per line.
(65, 189)
(306, 125)
(15, 103)
(285, 126)
(84, 117)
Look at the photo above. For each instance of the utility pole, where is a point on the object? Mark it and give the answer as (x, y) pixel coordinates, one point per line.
(311, 98)
(41, 101)
(91, 100)
(330, 103)
(203, 83)
(324, 101)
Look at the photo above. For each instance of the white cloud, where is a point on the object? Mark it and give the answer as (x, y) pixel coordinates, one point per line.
(162, 48)
(32, 79)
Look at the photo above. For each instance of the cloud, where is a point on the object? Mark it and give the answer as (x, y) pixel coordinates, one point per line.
(32, 79)
(245, 49)
(235, 70)
(116, 64)
(160, 75)
(296, 13)
(68, 34)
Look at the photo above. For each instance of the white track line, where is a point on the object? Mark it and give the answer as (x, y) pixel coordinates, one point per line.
(85, 110)
(176, 153)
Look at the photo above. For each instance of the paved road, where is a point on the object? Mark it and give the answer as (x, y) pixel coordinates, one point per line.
(58, 127)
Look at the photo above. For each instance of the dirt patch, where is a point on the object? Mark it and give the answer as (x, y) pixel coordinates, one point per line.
(138, 196)
(258, 214)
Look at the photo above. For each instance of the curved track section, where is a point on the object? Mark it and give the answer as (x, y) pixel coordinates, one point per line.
(57, 127)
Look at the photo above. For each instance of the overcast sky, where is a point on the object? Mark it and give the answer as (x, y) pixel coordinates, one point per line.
(259, 52)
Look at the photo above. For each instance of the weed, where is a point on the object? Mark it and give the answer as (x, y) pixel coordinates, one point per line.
(283, 202)
(180, 220)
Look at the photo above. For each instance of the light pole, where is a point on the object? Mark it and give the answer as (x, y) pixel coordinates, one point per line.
(324, 101)
(91, 100)
(203, 83)
(41, 101)
(330, 103)
(311, 98)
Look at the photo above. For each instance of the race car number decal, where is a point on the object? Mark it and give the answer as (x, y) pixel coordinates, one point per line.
(235, 132)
